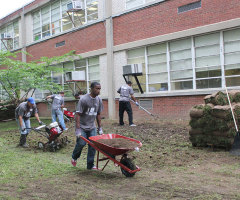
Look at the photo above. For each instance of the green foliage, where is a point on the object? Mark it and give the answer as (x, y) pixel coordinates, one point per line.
(19, 76)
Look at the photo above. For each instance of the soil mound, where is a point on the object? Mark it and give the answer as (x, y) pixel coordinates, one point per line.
(119, 143)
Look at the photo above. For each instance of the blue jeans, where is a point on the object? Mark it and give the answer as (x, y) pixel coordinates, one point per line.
(26, 124)
(81, 143)
(58, 114)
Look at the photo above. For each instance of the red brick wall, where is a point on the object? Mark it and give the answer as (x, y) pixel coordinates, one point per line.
(84, 40)
(163, 19)
(164, 107)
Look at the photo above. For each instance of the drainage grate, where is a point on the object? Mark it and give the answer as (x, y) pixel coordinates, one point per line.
(146, 103)
(59, 44)
(190, 6)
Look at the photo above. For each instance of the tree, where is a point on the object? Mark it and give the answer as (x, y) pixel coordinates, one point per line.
(20, 79)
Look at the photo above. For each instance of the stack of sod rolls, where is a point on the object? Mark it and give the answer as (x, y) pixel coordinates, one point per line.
(212, 123)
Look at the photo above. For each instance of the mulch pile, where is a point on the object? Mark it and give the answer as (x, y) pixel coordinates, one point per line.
(212, 123)
(119, 143)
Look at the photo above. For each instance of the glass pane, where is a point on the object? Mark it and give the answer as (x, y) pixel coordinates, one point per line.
(94, 76)
(207, 68)
(67, 26)
(156, 78)
(136, 53)
(133, 3)
(93, 61)
(80, 63)
(208, 83)
(154, 68)
(157, 49)
(92, 69)
(158, 87)
(205, 74)
(157, 59)
(232, 46)
(57, 77)
(180, 44)
(68, 66)
(180, 55)
(232, 72)
(234, 66)
(208, 61)
(183, 85)
(136, 60)
(181, 64)
(179, 75)
(233, 81)
(207, 50)
(206, 40)
(81, 86)
(231, 35)
(92, 17)
(232, 58)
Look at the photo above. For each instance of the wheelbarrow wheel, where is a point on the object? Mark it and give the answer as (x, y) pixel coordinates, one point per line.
(129, 164)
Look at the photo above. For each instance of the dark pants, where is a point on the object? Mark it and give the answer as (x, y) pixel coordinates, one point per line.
(125, 106)
(81, 143)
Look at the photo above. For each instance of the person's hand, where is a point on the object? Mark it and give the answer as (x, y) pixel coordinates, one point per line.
(40, 123)
(137, 104)
(78, 132)
(100, 131)
(23, 129)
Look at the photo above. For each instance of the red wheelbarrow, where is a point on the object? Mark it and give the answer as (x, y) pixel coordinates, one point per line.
(126, 164)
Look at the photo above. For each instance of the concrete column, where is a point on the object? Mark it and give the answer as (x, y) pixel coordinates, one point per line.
(110, 62)
(23, 35)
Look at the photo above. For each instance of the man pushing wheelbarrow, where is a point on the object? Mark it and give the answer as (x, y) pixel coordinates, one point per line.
(89, 108)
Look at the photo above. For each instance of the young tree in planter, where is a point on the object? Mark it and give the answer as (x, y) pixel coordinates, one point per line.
(20, 79)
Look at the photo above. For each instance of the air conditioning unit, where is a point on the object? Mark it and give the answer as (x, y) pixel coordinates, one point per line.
(6, 36)
(133, 69)
(75, 76)
(75, 4)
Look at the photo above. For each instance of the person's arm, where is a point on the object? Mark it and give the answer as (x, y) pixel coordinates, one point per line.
(48, 97)
(133, 98)
(99, 120)
(20, 121)
(77, 120)
(37, 117)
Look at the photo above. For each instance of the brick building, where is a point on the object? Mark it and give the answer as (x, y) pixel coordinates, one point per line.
(188, 48)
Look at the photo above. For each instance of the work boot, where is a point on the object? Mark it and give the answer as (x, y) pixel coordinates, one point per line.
(22, 142)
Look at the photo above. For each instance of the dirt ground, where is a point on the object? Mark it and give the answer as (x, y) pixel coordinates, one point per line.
(170, 169)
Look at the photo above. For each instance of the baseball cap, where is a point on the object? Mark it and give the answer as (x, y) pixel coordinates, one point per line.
(31, 100)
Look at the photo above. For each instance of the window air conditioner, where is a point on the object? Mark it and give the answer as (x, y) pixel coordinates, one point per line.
(6, 36)
(75, 76)
(133, 69)
(75, 4)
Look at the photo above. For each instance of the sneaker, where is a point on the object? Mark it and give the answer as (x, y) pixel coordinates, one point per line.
(133, 125)
(74, 162)
(95, 168)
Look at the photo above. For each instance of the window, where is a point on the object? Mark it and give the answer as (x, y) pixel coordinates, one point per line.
(181, 73)
(232, 57)
(54, 18)
(157, 67)
(12, 30)
(135, 3)
(136, 56)
(208, 68)
(89, 66)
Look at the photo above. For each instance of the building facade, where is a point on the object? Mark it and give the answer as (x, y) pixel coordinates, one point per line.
(187, 48)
